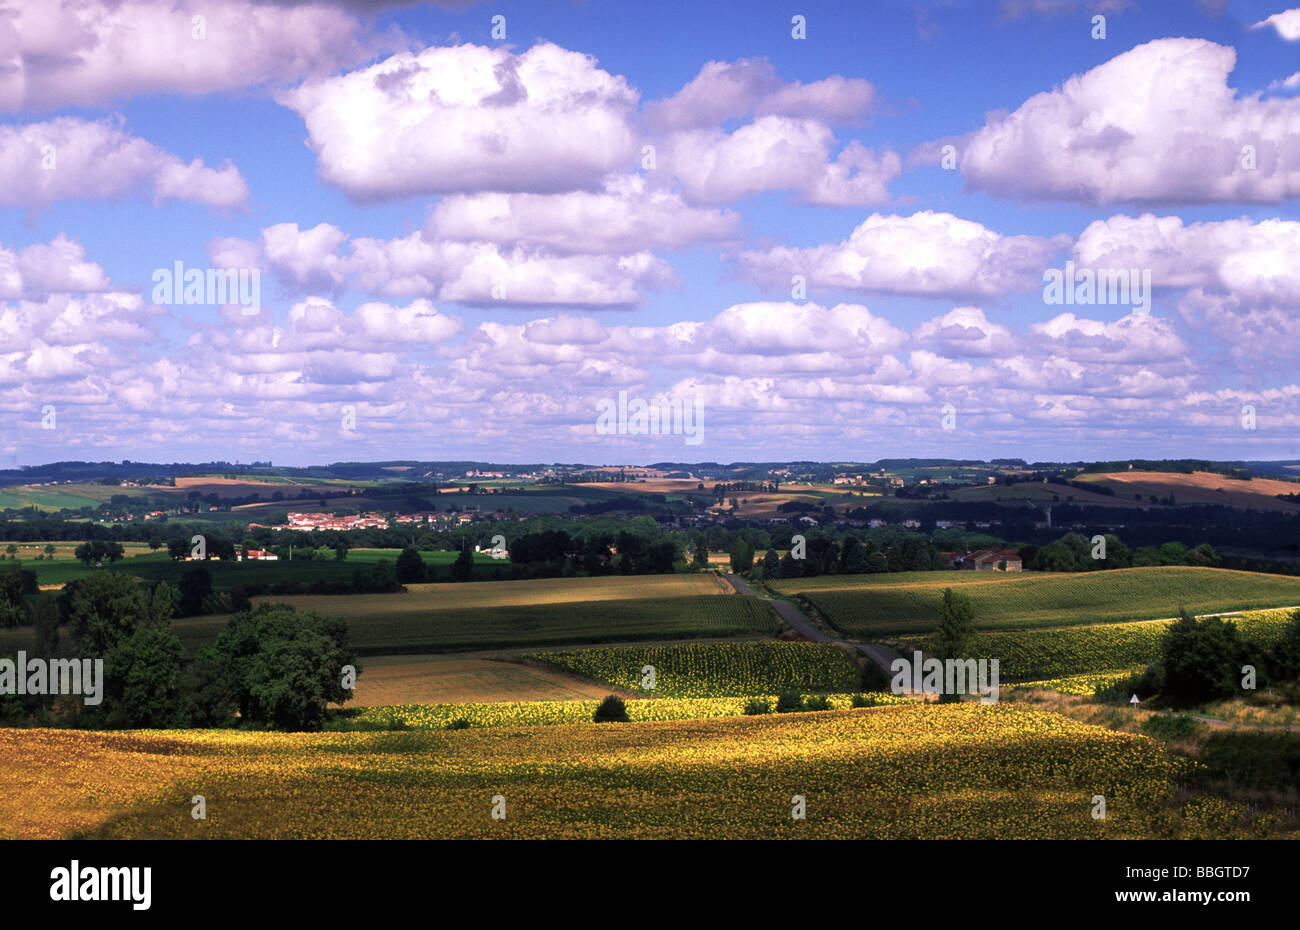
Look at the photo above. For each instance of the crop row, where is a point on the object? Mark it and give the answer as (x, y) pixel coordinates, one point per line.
(550, 713)
(1080, 650)
(712, 669)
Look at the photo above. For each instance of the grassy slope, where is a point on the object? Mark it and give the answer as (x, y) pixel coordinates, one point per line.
(889, 772)
(1080, 650)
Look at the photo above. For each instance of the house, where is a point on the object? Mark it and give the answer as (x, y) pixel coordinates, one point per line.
(993, 560)
(262, 555)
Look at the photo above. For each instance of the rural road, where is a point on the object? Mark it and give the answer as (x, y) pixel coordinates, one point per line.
(798, 622)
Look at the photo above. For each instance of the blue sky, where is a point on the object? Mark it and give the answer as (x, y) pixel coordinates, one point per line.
(461, 250)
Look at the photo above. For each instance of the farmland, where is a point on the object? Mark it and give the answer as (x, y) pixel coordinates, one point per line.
(1082, 650)
(908, 602)
(152, 567)
(555, 713)
(697, 670)
(501, 614)
(415, 679)
(961, 771)
(385, 624)
(422, 598)
(1200, 487)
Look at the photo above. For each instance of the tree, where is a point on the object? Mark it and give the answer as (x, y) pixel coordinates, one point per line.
(130, 629)
(45, 624)
(742, 556)
(771, 563)
(50, 550)
(661, 556)
(209, 689)
(463, 568)
(1146, 556)
(956, 628)
(853, 557)
(1056, 557)
(410, 566)
(1118, 555)
(1284, 658)
(1173, 553)
(140, 679)
(701, 554)
(196, 584)
(98, 550)
(13, 586)
(1201, 659)
(102, 611)
(341, 550)
(285, 666)
(1203, 554)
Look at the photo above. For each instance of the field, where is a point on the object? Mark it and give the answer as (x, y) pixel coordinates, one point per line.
(908, 602)
(1200, 487)
(435, 679)
(153, 567)
(491, 615)
(697, 670)
(422, 598)
(556, 713)
(379, 629)
(71, 496)
(1083, 650)
(1043, 492)
(959, 771)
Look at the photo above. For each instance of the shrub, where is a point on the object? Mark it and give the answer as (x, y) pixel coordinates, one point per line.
(874, 678)
(460, 723)
(861, 700)
(1257, 758)
(756, 706)
(789, 702)
(1175, 726)
(612, 709)
(817, 702)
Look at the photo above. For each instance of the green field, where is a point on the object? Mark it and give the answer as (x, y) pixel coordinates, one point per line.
(503, 614)
(382, 631)
(153, 567)
(399, 632)
(875, 606)
(1083, 650)
(702, 670)
(68, 496)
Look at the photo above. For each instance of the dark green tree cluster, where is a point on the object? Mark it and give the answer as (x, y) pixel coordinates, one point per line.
(1076, 553)
(1206, 659)
(273, 666)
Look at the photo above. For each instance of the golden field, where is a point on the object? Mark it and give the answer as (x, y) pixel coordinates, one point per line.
(889, 772)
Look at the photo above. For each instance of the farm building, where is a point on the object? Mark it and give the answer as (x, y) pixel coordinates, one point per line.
(993, 560)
